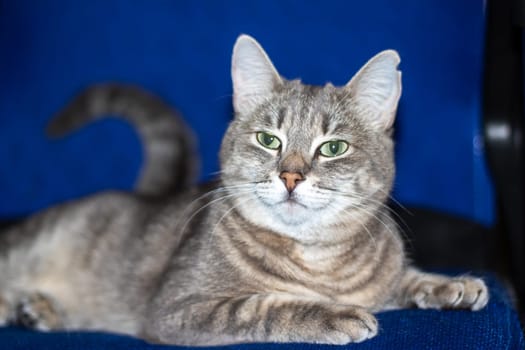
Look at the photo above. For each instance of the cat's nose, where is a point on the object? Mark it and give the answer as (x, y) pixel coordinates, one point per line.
(291, 180)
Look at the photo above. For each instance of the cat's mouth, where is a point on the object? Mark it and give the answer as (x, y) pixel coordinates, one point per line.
(292, 202)
(279, 199)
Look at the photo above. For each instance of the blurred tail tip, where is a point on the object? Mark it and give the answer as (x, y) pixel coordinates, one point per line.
(55, 129)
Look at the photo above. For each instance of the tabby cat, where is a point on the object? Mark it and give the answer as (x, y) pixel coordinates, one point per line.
(293, 243)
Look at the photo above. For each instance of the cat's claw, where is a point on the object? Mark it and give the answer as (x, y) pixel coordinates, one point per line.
(457, 293)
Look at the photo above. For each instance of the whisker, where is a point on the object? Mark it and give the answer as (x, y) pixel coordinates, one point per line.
(391, 211)
(236, 187)
(196, 212)
(221, 189)
(341, 209)
(396, 202)
(214, 173)
(363, 225)
(362, 206)
(228, 212)
(391, 221)
(373, 201)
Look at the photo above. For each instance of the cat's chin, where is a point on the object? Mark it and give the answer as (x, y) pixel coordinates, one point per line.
(289, 218)
(292, 212)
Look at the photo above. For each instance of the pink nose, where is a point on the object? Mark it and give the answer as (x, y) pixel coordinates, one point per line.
(291, 180)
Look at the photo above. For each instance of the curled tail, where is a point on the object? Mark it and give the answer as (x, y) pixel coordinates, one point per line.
(169, 145)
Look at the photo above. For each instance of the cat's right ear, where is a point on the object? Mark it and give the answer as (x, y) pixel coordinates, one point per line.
(253, 74)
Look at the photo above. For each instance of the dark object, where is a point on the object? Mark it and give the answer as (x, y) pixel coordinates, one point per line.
(503, 129)
(4, 224)
(437, 241)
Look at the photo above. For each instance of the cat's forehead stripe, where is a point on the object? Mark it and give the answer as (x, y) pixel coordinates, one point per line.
(268, 119)
(313, 106)
(325, 123)
(280, 117)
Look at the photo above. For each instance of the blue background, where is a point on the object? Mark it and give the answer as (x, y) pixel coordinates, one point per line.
(181, 50)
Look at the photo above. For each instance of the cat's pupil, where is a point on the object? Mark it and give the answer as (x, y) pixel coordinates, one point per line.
(334, 147)
(268, 139)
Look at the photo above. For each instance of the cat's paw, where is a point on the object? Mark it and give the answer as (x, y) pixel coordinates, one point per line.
(454, 293)
(331, 324)
(326, 324)
(36, 311)
(351, 326)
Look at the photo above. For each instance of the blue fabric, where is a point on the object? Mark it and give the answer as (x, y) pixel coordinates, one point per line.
(181, 50)
(494, 328)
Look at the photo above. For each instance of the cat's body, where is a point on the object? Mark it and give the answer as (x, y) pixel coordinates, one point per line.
(118, 261)
(294, 242)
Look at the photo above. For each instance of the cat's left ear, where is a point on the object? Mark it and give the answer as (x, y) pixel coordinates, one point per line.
(253, 74)
(376, 89)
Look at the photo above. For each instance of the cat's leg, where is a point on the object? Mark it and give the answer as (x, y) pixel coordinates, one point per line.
(434, 291)
(260, 318)
(37, 311)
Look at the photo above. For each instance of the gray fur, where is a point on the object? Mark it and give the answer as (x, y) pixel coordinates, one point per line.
(166, 139)
(244, 259)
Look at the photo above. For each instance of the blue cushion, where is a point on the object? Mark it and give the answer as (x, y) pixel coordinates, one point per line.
(495, 327)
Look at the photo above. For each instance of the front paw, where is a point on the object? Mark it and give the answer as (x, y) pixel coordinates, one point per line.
(453, 293)
(266, 318)
(37, 311)
(352, 326)
(333, 325)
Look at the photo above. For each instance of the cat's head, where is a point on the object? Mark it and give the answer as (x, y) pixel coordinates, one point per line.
(300, 158)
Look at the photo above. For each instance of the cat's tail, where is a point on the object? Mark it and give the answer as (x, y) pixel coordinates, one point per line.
(169, 145)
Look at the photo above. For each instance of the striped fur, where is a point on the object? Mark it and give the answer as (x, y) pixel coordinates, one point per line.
(169, 146)
(251, 257)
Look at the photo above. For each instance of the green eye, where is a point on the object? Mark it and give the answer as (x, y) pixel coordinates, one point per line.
(268, 140)
(333, 148)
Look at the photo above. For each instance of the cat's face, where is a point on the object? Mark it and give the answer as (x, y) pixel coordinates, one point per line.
(298, 157)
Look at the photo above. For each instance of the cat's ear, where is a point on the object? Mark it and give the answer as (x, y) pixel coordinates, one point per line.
(253, 74)
(376, 89)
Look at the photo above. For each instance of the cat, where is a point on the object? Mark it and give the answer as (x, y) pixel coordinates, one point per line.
(293, 243)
